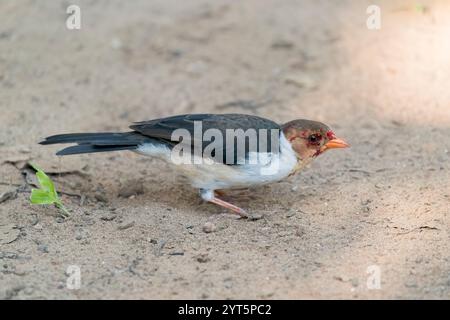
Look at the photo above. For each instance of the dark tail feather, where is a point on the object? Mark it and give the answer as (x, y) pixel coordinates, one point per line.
(107, 138)
(88, 148)
(97, 142)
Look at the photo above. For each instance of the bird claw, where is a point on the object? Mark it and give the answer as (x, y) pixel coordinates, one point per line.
(243, 214)
(255, 217)
(248, 216)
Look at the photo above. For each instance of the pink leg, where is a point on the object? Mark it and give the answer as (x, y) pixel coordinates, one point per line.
(230, 206)
(208, 195)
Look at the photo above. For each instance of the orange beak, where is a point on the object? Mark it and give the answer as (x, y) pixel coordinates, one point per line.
(334, 144)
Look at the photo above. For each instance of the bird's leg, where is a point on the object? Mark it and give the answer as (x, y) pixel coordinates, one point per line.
(208, 195)
(235, 209)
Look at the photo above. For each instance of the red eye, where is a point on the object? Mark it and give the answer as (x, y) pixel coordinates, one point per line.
(314, 138)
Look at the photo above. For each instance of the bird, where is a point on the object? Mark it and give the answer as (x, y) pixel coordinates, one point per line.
(215, 152)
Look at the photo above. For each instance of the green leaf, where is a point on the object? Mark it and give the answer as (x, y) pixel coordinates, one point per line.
(45, 182)
(39, 196)
(47, 194)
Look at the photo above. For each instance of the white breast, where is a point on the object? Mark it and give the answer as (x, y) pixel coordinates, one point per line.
(270, 167)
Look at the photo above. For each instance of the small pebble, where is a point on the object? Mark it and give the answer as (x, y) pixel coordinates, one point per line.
(209, 227)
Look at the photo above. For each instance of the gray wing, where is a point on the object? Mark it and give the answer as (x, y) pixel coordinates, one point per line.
(165, 127)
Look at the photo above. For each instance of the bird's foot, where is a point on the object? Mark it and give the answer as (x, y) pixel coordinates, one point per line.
(235, 209)
(209, 195)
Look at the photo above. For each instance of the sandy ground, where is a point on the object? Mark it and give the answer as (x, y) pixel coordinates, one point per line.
(135, 232)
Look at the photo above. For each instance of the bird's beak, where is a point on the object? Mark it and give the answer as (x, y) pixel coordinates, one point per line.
(334, 144)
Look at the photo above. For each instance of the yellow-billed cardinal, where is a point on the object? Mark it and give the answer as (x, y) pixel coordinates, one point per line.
(213, 164)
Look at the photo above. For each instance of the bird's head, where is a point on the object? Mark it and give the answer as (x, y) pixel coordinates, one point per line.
(311, 138)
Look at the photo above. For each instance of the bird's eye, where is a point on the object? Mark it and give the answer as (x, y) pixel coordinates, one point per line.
(314, 138)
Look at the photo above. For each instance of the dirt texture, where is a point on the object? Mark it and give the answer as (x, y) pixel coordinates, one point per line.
(136, 232)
